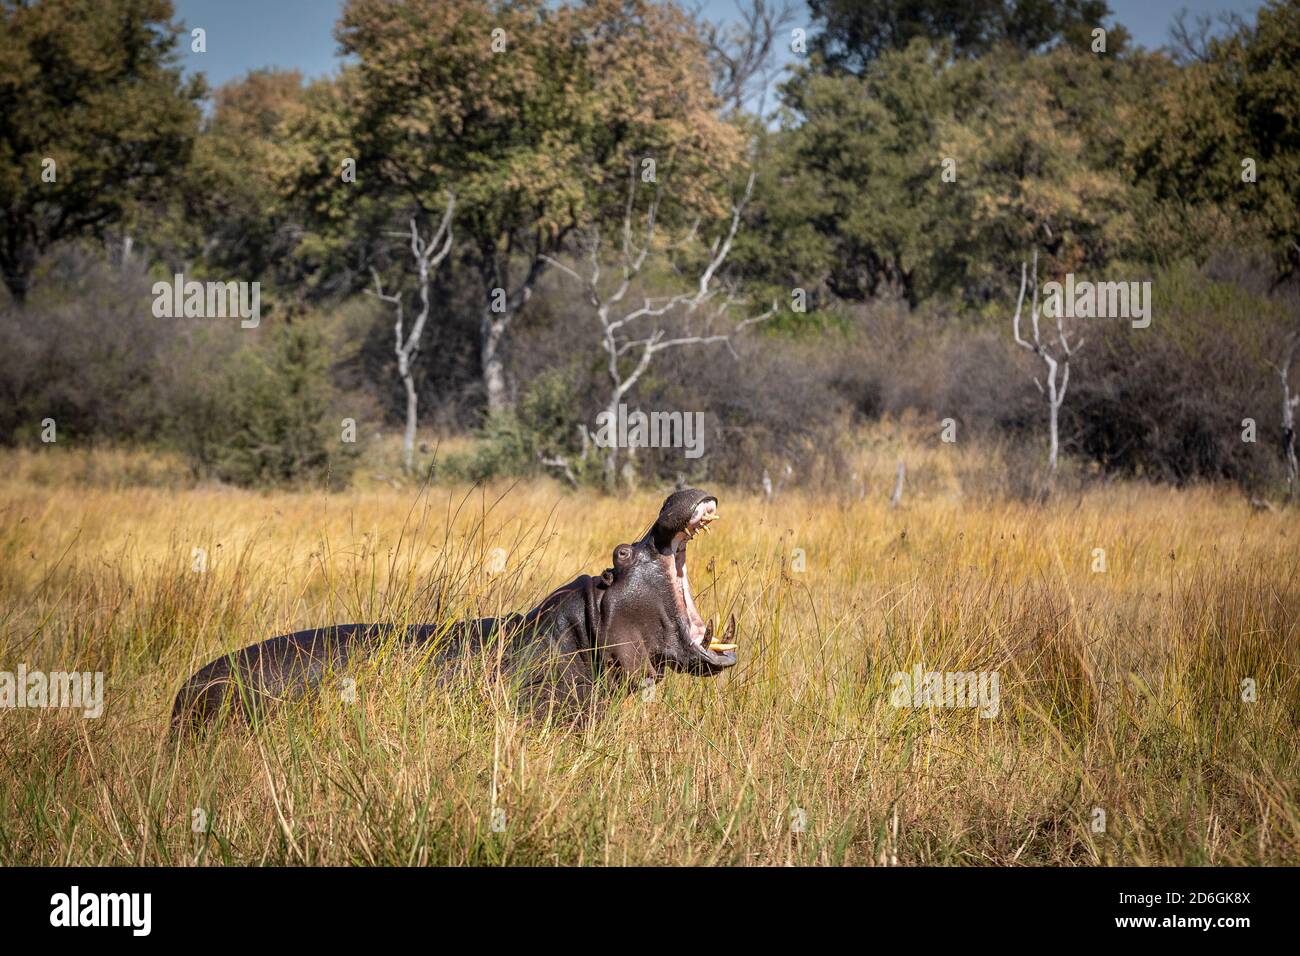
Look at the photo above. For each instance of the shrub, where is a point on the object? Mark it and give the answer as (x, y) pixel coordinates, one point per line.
(85, 351)
(1167, 402)
(270, 415)
(544, 424)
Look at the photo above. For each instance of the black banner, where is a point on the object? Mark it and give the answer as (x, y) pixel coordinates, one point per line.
(334, 906)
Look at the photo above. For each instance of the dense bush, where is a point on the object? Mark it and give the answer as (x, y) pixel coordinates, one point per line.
(767, 403)
(1169, 401)
(1166, 402)
(85, 351)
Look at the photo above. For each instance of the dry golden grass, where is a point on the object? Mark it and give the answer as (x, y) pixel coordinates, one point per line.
(1119, 690)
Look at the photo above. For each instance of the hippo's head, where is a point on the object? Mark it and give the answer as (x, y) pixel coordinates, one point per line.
(649, 621)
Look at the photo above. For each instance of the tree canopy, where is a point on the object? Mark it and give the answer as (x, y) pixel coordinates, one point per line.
(94, 116)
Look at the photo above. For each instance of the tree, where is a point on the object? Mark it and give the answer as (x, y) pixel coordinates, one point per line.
(741, 52)
(527, 111)
(427, 253)
(855, 32)
(1028, 170)
(243, 168)
(94, 115)
(632, 332)
(925, 175)
(861, 167)
(1053, 357)
(279, 412)
(1219, 144)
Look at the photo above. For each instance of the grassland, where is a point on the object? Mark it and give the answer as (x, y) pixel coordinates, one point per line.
(1121, 690)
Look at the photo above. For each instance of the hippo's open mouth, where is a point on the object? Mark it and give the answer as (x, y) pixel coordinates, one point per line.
(707, 652)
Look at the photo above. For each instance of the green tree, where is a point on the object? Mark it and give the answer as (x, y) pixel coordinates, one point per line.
(855, 32)
(864, 154)
(242, 178)
(1217, 149)
(1027, 177)
(530, 114)
(93, 86)
(932, 175)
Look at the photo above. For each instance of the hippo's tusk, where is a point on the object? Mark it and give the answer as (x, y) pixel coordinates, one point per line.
(728, 639)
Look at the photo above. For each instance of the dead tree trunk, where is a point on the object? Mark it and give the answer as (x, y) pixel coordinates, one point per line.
(492, 336)
(1289, 403)
(428, 254)
(503, 302)
(1055, 363)
(897, 497)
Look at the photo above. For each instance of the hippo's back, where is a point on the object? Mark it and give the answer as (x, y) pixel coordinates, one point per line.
(282, 668)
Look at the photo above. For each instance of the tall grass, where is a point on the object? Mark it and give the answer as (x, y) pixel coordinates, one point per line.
(1120, 691)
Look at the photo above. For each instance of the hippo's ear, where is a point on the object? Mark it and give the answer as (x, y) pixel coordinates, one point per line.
(622, 558)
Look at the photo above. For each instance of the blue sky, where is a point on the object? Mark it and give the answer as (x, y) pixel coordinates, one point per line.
(243, 35)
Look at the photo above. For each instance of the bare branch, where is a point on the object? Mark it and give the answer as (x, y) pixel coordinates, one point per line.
(617, 339)
(565, 269)
(743, 51)
(1015, 322)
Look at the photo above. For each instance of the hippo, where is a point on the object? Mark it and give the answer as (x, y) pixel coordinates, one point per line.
(579, 647)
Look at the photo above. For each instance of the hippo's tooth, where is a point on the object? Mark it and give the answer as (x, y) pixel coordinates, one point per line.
(708, 633)
(726, 644)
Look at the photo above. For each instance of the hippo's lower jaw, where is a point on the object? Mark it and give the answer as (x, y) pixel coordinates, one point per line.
(702, 660)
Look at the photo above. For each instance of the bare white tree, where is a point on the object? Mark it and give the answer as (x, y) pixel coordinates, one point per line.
(1055, 355)
(899, 477)
(773, 491)
(631, 336)
(428, 254)
(1289, 404)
